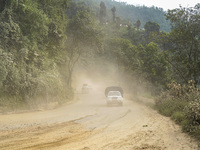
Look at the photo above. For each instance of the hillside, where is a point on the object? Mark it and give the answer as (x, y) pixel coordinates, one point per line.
(132, 13)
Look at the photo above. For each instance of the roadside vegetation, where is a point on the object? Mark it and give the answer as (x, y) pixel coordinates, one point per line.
(182, 104)
(43, 42)
(181, 99)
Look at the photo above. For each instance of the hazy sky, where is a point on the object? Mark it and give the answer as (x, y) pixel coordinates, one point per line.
(165, 4)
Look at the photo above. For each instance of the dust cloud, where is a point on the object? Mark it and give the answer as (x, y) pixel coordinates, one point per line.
(88, 123)
(100, 76)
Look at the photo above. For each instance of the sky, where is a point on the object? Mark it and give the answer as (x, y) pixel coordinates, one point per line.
(165, 4)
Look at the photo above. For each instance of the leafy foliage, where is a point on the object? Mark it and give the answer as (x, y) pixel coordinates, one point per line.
(181, 103)
(154, 66)
(151, 27)
(183, 41)
(103, 12)
(193, 112)
(83, 35)
(25, 35)
(138, 24)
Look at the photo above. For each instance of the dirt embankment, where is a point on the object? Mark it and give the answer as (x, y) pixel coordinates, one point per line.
(89, 124)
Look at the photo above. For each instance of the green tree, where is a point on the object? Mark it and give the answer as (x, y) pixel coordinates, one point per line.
(118, 22)
(57, 23)
(114, 13)
(184, 40)
(135, 36)
(138, 24)
(151, 27)
(82, 36)
(103, 12)
(155, 67)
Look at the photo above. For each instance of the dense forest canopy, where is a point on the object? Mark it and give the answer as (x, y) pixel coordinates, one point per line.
(41, 43)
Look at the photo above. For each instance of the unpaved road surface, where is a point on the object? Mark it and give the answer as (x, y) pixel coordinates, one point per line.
(88, 124)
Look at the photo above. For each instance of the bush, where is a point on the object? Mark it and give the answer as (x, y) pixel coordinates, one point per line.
(182, 104)
(193, 112)
(168, 107)
(179, 117)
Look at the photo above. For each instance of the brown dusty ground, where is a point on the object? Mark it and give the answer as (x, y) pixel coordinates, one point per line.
(89, 124)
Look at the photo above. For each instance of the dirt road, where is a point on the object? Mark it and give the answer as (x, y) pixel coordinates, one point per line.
(88, 124)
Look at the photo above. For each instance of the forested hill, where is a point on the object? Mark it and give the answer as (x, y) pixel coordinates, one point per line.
(132, 13)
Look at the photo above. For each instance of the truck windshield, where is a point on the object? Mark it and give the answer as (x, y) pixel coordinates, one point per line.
(114, 93)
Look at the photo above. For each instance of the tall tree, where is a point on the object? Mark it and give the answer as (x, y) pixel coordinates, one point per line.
(118, 22)
(151, 27)
(138, 24)
(114, 13)
(103, 12)
(82, 36)
(154, 65)
(185, 39)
